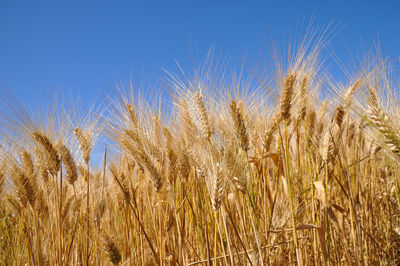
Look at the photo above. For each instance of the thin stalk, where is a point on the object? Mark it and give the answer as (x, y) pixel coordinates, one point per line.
(296, 243)
(38, 246)
(60, 238)
(72, 241)
(312, 188)
(215, 238)
(251, 216)
(139, 222)
(239, 238)
(87, 213)
(177, 224)
(104, 170)
(352, 215)
(327, 235)
(227, 236)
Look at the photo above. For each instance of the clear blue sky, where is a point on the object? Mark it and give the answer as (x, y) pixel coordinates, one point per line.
(86, 47)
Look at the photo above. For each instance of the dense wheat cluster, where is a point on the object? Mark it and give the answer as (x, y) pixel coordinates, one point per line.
(262, 172)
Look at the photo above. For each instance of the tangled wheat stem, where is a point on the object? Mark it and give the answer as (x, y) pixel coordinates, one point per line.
(127, 198)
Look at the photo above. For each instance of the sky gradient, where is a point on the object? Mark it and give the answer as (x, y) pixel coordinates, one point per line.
(85, 48)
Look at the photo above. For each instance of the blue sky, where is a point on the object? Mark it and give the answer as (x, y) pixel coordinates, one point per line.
(85, 48)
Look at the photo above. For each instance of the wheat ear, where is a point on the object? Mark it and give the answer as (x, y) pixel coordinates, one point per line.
(303, 98)
(26, 189)
(69, 163)
(84, 144)
(240, 127)
(54, 161)
(218, 188)
(285, 102)
(380, 121)
(203, 117)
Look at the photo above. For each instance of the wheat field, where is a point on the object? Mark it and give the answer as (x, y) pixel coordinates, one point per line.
(235, 171)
